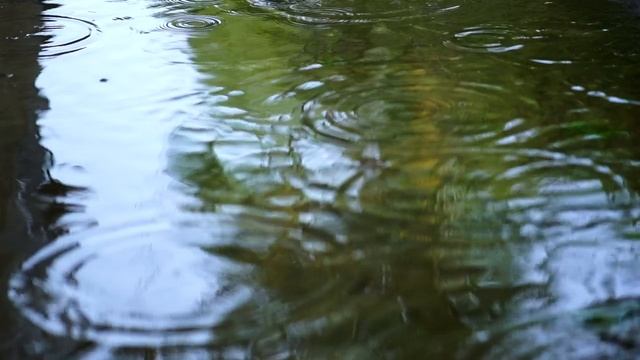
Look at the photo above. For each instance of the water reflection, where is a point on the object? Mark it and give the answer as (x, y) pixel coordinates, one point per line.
(120, 274)
(480, 192)
(312, 179)
(23, 211)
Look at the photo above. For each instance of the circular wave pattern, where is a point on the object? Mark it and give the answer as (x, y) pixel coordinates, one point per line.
(65, 35)
(372, 113)
(343, 120)
(192, 23)
(487, 39)
(334, 12)
(132, 288)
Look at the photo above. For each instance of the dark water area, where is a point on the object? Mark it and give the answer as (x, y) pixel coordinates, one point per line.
(310, 179)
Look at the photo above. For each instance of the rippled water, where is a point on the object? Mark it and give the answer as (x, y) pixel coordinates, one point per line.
(336, 179)
(67, 34)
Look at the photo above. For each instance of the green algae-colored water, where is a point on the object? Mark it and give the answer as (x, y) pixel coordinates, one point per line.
(353, 179)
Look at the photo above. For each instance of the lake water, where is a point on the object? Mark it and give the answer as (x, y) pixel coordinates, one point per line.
(314, 179)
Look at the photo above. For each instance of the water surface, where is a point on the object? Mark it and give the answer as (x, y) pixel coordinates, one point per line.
(336, 179)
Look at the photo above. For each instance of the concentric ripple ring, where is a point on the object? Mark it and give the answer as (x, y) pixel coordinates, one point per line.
(65, 34)
(131, 287)
(192, 23)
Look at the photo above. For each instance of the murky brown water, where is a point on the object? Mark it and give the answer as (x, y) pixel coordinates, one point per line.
(321, 179)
